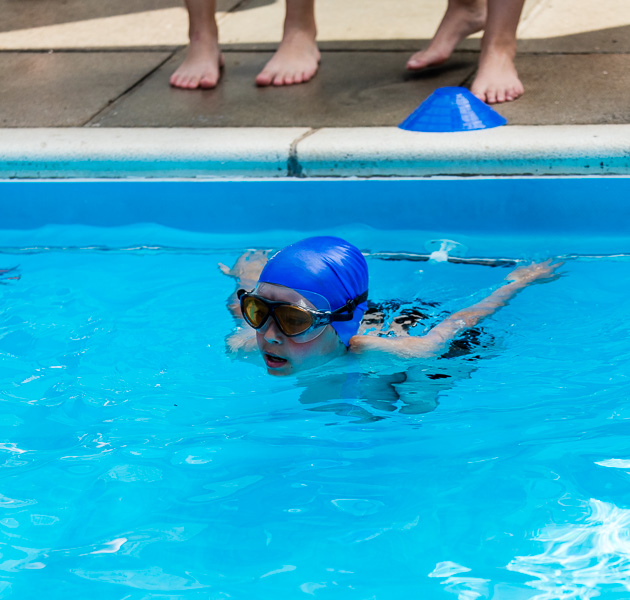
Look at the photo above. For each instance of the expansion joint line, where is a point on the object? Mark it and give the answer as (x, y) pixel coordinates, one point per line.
(126, 92)
(294, 168)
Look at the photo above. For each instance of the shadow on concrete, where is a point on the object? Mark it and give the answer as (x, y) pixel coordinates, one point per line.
(26, 14)
(614, 40)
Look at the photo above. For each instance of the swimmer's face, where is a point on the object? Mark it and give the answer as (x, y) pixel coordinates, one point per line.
(284, 355)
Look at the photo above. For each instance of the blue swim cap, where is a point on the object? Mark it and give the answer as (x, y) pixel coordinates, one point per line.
(328, 266)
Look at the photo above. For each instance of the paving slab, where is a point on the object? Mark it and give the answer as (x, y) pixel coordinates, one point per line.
(22, 14)
(259, 21)
(164, 28)
(66, 89)
(571, 89)
(614, 40)
(351, 89)
(86, 24)
(337, 20)
(570, 26)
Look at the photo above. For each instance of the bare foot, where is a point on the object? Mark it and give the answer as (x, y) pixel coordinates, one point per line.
(497, 80)
(296, 61)
(462, 18)
(201, 67)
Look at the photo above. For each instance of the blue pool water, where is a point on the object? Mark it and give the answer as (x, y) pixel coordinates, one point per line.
(141, 461)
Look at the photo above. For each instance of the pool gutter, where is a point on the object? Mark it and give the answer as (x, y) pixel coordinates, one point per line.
(303, 152)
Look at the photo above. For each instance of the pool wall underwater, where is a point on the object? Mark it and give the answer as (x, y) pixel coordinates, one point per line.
(508, 205)
(511, 204)
(518, 218)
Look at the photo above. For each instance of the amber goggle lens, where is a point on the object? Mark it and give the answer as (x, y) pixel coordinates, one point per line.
(292, 320)
(255, 311)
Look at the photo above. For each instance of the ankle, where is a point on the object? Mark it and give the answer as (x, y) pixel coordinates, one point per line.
(299, 22)
(504, 48)
(301, 30)
(207, 35)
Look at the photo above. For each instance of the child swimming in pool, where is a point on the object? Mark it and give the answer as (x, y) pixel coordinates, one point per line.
(295, 61)
(306, 303)
(496, 80)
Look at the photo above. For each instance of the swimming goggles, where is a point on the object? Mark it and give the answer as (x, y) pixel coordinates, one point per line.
(291, 319)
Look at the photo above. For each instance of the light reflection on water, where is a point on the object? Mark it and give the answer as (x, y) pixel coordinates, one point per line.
(580, 559)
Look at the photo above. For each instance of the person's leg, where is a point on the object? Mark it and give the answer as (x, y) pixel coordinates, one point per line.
(202, 65)
(461, 19)
(297, 58)
(497, 79)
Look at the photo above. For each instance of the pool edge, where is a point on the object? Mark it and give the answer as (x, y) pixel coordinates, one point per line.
(306, 153)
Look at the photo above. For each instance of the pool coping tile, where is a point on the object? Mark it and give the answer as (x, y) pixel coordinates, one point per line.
(296, 152)
(512, 150)
(148, 152)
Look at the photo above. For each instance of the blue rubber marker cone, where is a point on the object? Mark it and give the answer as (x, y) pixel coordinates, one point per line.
(452, 109)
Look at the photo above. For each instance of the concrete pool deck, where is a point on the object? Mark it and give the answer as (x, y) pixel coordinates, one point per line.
(85, 88)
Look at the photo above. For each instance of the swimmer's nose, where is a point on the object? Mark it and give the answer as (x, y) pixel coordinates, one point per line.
(271, 333)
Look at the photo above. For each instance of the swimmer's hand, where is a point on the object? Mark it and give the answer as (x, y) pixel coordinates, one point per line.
(248, 267)
(542, 272)
(243, 340)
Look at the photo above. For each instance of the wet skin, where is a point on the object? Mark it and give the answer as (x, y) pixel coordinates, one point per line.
(285, 355)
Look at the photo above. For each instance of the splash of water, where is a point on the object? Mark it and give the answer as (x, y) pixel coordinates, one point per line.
(444, 249)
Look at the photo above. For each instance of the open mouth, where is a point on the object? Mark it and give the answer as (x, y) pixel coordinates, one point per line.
(274, 361)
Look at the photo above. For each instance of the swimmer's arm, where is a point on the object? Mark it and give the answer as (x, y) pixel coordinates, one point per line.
(436, 340)
(246, 271)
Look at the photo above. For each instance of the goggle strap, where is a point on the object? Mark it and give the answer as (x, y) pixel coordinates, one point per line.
(348, 308)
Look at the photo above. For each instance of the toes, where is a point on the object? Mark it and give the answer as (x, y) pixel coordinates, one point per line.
(264, 78)
(192, 83)
(511, 94)
(208, 82)
(491, 96)
(427, 58)
(178, 80)
(285, 77)
(478, 93)
(185, 81)
(308, 75)
(415, 63)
